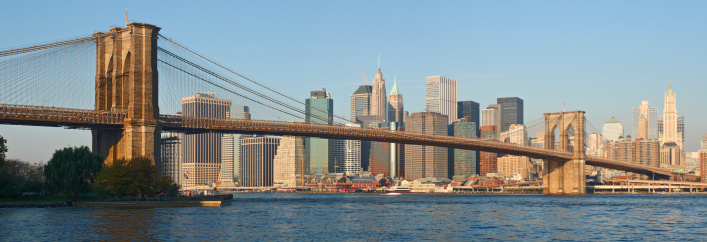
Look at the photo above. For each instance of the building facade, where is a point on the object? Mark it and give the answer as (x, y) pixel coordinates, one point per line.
(511, 112)
(361, 102)
(638, 151)
(470, 111)
(395, 104)
(613, 130)
(488, 162)
(650, 125)
(347, 155)
(378, 98)
(426, 161)
(201, 157)
(230, 148)
(670, 120)
(465, 162)
(256, 161)
(318, 151)
(288, 164)
(513, 164)
(442, 96)
(171, 160)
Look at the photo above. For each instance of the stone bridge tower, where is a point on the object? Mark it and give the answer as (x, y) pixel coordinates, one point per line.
(565, 176)
(126, 81)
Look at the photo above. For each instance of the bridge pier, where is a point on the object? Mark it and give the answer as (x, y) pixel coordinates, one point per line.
(565, 177)
(126, 81)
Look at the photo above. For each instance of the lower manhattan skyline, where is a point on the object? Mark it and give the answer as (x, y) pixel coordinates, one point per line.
(597, 59)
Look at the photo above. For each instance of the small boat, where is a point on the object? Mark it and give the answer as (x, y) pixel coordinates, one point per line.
(398, 190)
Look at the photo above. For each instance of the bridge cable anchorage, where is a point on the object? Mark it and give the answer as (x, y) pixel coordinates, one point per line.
(211, 73)
(250, 80)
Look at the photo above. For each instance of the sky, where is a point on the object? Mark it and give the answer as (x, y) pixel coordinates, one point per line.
(603, 57)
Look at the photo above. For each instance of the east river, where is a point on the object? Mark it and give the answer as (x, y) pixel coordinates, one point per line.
(407, 217)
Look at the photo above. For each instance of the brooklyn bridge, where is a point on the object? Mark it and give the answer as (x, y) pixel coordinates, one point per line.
(125, 85)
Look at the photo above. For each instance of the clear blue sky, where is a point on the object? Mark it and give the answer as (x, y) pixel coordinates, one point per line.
(602, 57)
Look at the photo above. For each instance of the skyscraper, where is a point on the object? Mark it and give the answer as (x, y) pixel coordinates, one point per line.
(319, 110)
(488, 116)
(230, 146)
(256, 161)
(347, 155)
(511, 111)
(170, 158)
(670, 119)
(703, 144)
(201, 160)
(465, 162)
(442, 96)
(288, 164)
(487, 162)
(470, 111)
(613, 129)
(651, 121)
(361, 102)
(395, 104)
(426, 161)
(378, 99)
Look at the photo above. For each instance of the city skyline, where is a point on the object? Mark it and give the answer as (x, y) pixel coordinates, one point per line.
(637, 57)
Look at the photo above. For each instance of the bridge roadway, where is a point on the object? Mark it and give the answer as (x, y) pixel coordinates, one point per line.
(91, 119)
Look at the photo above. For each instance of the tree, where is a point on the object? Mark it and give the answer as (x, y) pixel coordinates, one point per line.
(71, 171)
(165, 185)
(131, 178)
(3, 150)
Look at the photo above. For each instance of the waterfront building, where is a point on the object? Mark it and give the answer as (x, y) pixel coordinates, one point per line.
(230, 148)
(426, 161)
(650, 126)
(347, 155)
(511, 112)
(395, 104)
(470, 111)
(670, 120)
(378, 98)
(464, 162)
(256, 161)
(613, 130)
(703, 166)
(442, 96)
(361, 102)
(487, 162)
(318, 151)
(288, 164)
(201, 160)
(513, 164)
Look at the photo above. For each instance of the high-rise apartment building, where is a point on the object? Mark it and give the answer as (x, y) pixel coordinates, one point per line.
(487, 162)
(201, 159)
(670, 120)
(361, 102)
(442, 96)
(426, 161)
(470, 111)
(378, 98)
(638, 150)
(395, 104)
(613, 130)
(649, 127)
(511, 111)
(347, 155)
(465, 162)
(256, 161)
(230, 148)
(319, 110)
(288, 164)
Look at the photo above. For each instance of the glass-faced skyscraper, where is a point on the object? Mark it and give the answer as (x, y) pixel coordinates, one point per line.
(511, 112)
(319, 152)
(470, 111)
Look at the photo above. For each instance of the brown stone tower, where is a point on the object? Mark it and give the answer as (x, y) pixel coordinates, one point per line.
(126, 81)
(565, 176)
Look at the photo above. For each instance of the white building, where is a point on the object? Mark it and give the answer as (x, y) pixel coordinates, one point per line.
(347, 155)
(288, 164)
(613, 129)
(442, 96)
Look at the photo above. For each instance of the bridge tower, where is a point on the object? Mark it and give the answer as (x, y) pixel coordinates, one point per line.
(126, 81)
(565, 177)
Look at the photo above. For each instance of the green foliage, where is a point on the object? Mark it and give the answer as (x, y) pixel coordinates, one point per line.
(18, 176)
(71, 171)
(134, 177)
(3, 150)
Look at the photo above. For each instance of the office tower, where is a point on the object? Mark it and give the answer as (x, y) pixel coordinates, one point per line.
(230, 147)
(378, 99)
(470, 111)
(361, 102)
(613, 130)
(670, 120)
(681, 130)
(347, 155)
(511, 111)
(426, 161)
(465, 162)
(319, 110)
(703, 144)
(288, 164)
(202, 152)
(442, 96)
(651, 121)
(513, 164)
(487, 162)
(595, 145)
(170, 156)
(395, 104)
(256, 161)
(383, 153)
(488, 116)
(642, 127)
(516, 134)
